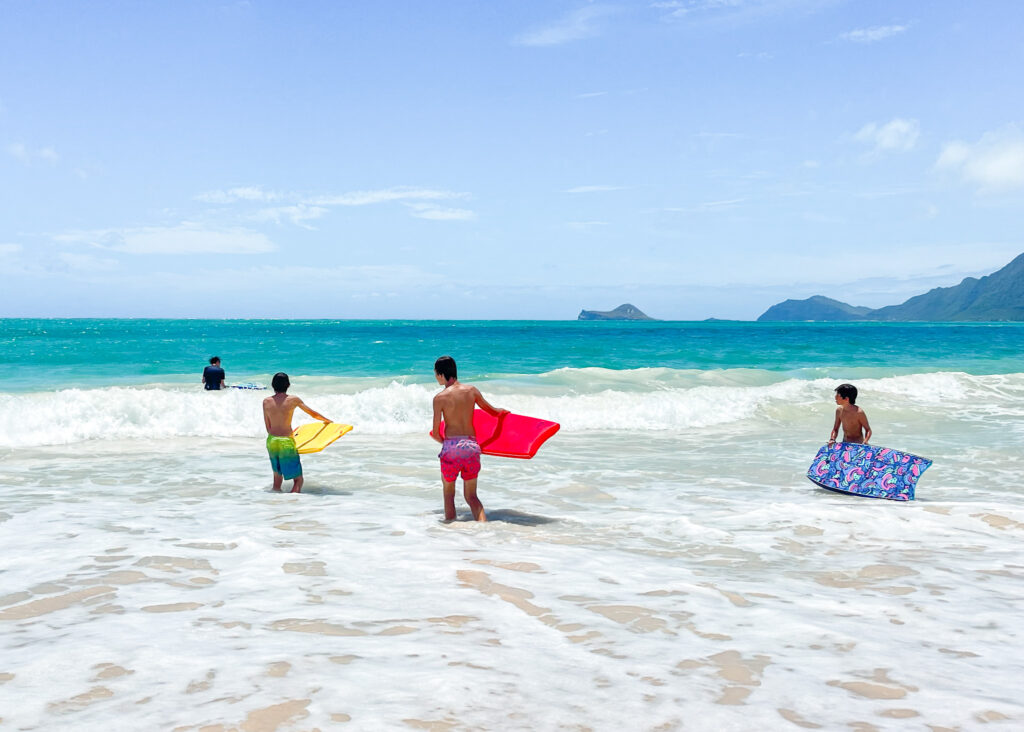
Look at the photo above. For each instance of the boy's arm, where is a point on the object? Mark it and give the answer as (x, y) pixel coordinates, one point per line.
(479, 400)
(866, 426)
(436, 431)
(312, 413)
(835, 427)
(266, 417)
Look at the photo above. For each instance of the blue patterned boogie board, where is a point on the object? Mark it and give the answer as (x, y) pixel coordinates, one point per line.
(867, 470)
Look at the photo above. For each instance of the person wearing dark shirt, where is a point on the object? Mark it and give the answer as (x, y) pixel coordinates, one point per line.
(213, 375)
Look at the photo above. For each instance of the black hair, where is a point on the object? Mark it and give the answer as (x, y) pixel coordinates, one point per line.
(280, 382)
(215, 359)
(847, 391)
(445, 366)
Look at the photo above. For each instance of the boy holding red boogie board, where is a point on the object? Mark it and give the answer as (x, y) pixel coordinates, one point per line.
(460, 452)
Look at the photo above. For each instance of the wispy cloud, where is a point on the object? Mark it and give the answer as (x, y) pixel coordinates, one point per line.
(87, 262)
(993, 163)
(367, 198)
(241, 193)
(185, 238)
(27, 155)
(586, 225)
(594, 189)
(732, 11)
(897, 135)
(298, 214)
(707, 206)
(436, 213)
(9, 249)
(300, 209)
(577, 25)
(874, 34)
(589, 95)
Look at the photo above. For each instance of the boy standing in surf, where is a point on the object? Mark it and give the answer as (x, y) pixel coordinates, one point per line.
(855, 423)
(460, 452)
(277, 416)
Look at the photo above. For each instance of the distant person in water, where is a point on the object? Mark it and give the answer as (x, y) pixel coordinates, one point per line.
(213, 375)
(460, 452)
(277, 415)
(853, 419)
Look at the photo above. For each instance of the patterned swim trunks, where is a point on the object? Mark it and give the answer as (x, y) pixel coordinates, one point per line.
(460, 454)
(284, 458)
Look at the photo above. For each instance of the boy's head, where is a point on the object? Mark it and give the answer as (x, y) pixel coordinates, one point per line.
(215, 361)
(445, 368)
(280, 382)
(847, 391)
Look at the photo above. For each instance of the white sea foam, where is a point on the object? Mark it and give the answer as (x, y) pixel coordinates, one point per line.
(581, 400)
(677, 573)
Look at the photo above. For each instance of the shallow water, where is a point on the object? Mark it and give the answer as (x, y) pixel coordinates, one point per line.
(661, 563)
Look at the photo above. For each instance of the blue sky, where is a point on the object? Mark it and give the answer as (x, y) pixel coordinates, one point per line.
(502, 159)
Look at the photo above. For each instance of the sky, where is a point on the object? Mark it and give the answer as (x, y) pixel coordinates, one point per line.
(502, 158)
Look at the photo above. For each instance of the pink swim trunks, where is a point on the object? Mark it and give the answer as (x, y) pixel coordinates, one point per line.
(460, 455)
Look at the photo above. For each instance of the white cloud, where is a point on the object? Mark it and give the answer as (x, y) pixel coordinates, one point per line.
(588, 95)
(193, 239)
(873, 35)
(19, 152)
(300, 209)
(23, 153)
(241, 193)
(9, 249)
(586, 225)
(577, 25)
(733, 11)
(993, 163)
(185, 238)
(899, 135)
(436, 213)
(708, 206)
(366, 198)
(86, 262)
(298, 214)
(355, 279)
(594, 189)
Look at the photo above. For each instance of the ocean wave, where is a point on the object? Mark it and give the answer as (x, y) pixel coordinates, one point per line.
(645, 399)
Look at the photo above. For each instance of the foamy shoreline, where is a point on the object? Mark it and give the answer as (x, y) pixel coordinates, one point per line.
(659, 584)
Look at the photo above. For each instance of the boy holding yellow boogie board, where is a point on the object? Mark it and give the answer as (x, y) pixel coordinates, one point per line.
(277, 416)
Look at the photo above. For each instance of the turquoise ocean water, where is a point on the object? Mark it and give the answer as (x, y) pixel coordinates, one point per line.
(50, 354)
(662, 563)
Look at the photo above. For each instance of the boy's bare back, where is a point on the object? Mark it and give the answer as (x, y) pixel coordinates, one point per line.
(278, 411)
(455, 406)
(854, 422)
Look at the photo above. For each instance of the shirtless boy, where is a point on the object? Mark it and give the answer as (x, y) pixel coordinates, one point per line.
(277, 415)
(855, 423)
(460, 452)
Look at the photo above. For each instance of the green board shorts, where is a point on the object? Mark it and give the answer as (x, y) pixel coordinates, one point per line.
(284, 457)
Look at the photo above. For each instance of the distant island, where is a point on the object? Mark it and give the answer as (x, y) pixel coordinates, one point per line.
(998, 296)
(622, 312)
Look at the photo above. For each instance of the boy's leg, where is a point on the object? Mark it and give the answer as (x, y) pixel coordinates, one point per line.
(278, 479)
(469, 493)
(449, 499)
(297, 485)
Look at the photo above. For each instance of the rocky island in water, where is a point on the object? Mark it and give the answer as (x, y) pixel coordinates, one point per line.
(622, 312)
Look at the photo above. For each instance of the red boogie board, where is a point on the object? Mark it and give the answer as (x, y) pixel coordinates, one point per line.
(510, 435)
